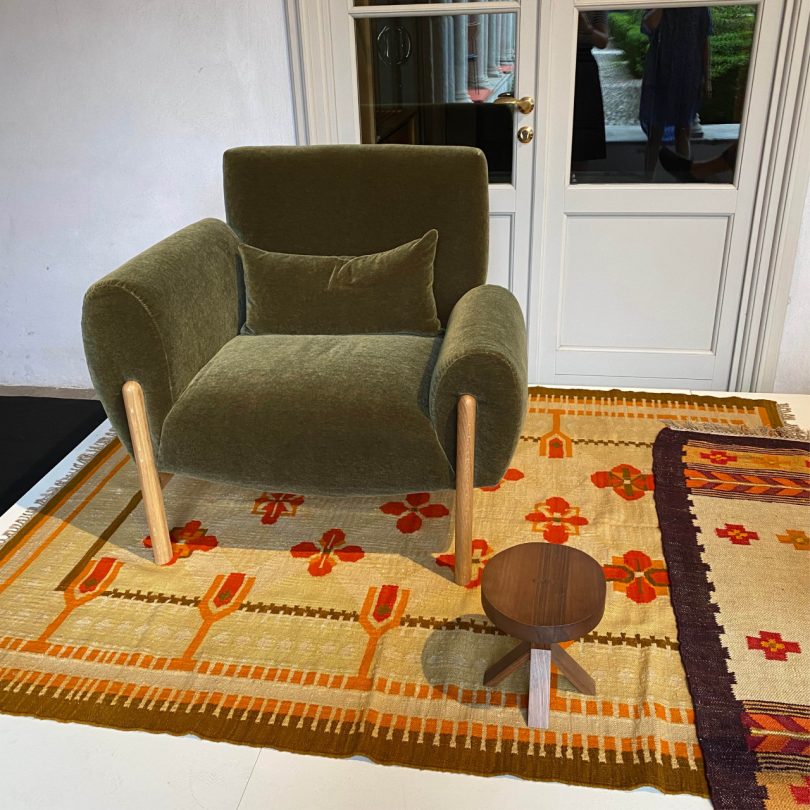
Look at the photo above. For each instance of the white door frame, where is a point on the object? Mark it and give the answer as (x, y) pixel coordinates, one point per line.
(781, 185)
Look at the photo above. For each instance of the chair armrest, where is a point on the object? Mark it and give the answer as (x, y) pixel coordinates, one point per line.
(159, 318)
(483, 354)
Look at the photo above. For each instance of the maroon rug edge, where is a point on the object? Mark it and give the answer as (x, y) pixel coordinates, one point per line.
(730, 766)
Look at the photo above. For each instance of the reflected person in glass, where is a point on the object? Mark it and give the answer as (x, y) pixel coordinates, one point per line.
(677, 72)
(699, 171)
(588, 141)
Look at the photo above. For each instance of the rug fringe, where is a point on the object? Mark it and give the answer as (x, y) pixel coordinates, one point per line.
(786, 432)
(84, 458)
(786, 412)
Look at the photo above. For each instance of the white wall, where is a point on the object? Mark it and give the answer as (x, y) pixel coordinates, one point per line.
(113, 118)
(793, 368)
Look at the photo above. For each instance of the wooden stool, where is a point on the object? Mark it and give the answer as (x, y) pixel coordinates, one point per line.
(542, 594)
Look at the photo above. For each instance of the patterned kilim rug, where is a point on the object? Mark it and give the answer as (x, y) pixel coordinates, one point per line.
(332, 626)
(735, 517)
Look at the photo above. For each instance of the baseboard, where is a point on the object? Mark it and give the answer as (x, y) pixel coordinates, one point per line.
(46, 391)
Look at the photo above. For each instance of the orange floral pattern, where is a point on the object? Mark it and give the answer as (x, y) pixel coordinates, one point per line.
(639, 577)
(482, 553)
(625, 480)
(330, 550)
(737, 533)
(512, 474)
(275, 505)
(773, 645)
(557, 519)
(185, 540)
(412, 510)
(796, 537)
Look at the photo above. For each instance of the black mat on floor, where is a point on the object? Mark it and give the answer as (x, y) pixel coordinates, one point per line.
(35, 434)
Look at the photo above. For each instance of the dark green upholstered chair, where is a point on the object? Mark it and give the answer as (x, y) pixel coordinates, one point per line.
(315, 414)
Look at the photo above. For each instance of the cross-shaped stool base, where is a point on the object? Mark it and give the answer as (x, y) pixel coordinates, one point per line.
(540, 675)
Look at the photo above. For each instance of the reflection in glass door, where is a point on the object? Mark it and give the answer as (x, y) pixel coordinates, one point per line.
(448, 73)
(440, 80)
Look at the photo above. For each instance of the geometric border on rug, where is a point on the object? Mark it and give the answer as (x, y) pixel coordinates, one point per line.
(739, 774)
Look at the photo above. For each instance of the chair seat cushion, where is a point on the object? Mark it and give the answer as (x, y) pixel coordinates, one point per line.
(311, 414)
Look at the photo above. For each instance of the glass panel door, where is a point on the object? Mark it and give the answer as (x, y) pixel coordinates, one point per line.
(650, 192)
(407, 2)
(450, 73)
(435, 80)
(660, 92)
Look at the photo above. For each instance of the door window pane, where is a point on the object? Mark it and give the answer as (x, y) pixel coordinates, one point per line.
(659, 94)
(435, 80)
(405, 2)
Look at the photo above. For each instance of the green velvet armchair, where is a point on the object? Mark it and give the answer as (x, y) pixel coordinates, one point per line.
(315, 414)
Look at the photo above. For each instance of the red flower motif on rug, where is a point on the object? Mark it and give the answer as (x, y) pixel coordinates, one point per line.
(186, 540)
(638, 576)
(625, 480)
(718, 457)
(482, 553)
(772, 644)
(332, 549)
(275, 505)
(557, 519)
(796, 537)
(411, 511)
(737, 533)
(512, 474)
(801, 792)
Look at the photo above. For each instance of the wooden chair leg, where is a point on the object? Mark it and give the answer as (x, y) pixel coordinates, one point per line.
(465, 472)
(151, 481)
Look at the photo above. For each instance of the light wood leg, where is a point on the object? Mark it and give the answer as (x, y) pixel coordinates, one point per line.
(539, 687)
(465, 473)
(513, 660)
(580, 679)
(151, 483)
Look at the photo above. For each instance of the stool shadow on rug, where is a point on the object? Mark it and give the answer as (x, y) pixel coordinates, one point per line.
(455, 657)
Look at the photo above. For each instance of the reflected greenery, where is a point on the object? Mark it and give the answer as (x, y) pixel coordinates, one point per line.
(731, 40)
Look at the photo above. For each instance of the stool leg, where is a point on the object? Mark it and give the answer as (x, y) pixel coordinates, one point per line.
(507, 665)
(572, 670)
(539, 687)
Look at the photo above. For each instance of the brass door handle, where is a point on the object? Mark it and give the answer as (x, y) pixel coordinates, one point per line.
(525, 104)
(525, 134)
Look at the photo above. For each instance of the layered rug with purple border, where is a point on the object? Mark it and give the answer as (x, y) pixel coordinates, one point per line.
(734, 512)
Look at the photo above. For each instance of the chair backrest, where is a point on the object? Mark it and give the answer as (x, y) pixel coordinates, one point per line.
(352, 200)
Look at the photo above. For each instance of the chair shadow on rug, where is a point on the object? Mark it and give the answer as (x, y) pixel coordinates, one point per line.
(385, 529)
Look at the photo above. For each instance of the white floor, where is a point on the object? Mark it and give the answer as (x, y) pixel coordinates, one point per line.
(45, 764)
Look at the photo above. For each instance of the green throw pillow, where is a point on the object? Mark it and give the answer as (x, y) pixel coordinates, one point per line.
(292, 294)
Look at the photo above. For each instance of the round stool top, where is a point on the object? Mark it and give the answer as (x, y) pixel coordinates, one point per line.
(543, 593)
